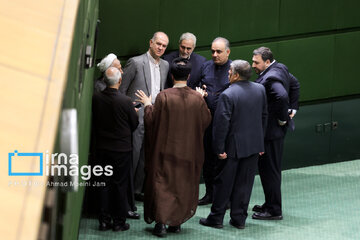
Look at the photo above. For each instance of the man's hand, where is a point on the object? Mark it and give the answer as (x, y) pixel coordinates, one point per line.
(292, 113)
(281, 123)
(143, 98)
(201, 91)
(204, 89)
(222, 156)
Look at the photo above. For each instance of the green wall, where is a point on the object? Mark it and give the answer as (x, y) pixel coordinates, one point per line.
(134, 22)
(78, 95)
(317, 40)
(317, 140)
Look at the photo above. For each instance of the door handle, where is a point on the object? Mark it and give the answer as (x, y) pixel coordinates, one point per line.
(327, 127)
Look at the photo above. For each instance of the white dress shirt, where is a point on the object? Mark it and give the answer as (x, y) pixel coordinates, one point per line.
(155, 77)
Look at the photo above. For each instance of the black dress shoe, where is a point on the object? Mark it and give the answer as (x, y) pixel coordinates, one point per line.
(139, 197)
(266, 216)
(105, 226)
(207, 199)
(174, 229)
(258, 208)
(121, 227)
(159, 230)
(205, 222)
(232, 223)
(132, 215)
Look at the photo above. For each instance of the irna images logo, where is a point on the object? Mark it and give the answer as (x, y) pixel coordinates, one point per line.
(16, 159)
(55, 165)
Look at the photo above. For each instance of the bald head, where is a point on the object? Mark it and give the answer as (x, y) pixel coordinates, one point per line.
(161, 35)
(158, 44)
(223, 41)
(220, 50)
(112, 77)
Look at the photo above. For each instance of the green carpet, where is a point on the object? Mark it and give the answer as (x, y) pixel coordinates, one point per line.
(320, 202)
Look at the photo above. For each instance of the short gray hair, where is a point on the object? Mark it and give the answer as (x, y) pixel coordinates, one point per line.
(188, 36)
(227, 43)
(241, 67)
(265, 53)
(112, 76)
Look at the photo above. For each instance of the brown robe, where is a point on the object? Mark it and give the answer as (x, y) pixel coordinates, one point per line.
(174, 130)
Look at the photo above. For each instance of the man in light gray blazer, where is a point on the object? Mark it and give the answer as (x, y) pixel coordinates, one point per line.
(147, 72)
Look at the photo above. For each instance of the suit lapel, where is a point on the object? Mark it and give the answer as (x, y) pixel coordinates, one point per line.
(163, 74)
(147, 73)
(261, 77)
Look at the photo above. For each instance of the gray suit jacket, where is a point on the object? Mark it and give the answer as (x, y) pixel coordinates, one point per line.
(137, 76)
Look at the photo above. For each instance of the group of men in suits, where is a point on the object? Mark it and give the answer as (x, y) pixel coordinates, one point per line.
(249, 127)
(248, 120)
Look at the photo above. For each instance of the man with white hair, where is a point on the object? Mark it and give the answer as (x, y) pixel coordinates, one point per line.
(114, 120)
(111, 60)
(187, 44)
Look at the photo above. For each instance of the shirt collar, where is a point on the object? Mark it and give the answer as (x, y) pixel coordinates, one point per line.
(268, 66)
(179, 85)
(152, 59)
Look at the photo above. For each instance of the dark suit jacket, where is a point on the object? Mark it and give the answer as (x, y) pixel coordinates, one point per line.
(278, 81)
(114, 120)
(240, 120)
(196, 61)
(294, 92)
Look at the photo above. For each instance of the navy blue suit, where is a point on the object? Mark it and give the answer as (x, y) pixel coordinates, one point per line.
(238, 129)
(196, 61)
(114, 121)
(216, 79)
(279, 85)
(294, 92)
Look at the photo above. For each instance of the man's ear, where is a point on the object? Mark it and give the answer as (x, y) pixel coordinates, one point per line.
(267, 62)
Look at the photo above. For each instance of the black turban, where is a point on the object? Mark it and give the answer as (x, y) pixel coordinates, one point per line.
(180, 68)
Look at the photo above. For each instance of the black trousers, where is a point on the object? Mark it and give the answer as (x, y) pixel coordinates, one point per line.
(270, 175)
(130, 192)
(113, 196)
(234, 183)
(210, 161)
